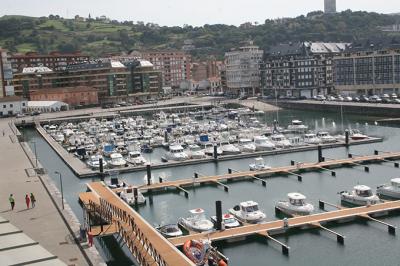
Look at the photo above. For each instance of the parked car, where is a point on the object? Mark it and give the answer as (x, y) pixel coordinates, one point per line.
(348, 99)
(386, 100)
(364, 98)
(330, 98)
(396, 101)
(320, 97)
(356, 99)
(33, 113)
(19, 115)
(393, 95)
(340, 98)
(375, 99)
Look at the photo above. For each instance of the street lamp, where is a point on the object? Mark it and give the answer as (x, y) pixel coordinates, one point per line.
(61, 186)
(34, 148)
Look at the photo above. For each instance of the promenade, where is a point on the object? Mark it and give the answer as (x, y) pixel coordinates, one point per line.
(43, 223)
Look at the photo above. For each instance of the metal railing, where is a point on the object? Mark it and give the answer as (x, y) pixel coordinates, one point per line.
(130, 232)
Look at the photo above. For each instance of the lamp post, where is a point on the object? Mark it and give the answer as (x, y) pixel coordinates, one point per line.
(36, 158)
(61, 186)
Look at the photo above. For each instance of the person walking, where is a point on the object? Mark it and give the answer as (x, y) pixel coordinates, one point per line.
(27, 200)
(33, 200)
(12, 201)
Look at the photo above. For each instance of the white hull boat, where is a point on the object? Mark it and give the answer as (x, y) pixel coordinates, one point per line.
(263, 144)
(136, 158)
(127, 195)
(248, 212)
(94, 161)
(360, 196)
(259, 165)
(295, 205)
(391, 190)
(116, 160)
(196, 221)
(176, 153)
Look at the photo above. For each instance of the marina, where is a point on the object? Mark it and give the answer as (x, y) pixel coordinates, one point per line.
(331, 165)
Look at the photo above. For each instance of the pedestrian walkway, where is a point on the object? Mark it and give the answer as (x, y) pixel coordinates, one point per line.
(43, 223)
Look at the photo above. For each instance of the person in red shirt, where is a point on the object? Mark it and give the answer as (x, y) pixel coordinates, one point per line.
(27, 200)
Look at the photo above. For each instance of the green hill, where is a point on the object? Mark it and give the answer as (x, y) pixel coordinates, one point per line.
(95, 37)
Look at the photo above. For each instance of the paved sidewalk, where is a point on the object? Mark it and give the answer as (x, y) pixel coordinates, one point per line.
(42, 223)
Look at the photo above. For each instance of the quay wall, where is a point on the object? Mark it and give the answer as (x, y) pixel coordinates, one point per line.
(371, 109)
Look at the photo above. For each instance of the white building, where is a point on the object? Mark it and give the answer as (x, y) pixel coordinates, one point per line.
(6, 76)
(243, 70)
(10, 106)
(47, 106)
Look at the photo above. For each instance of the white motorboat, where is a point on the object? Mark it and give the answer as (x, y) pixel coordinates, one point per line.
(311, 138)
(136, 158)
(263, 144)
(357, 135)
(391, 190)
(259, 165)
(197, 221)
(116, 160)
(248, 212)
(115, 183)
(280, 141)
(209, 150)
(176, 153)
(246, 145)
(127, 195)
(361, 195)
(229, 149)
(170, 230)
(195, 152)
(325, 137)
(297, 126)
(94, 161)
(296, 205)
(228, 220)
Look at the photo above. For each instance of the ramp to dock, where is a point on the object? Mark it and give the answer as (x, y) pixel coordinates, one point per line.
(146, 244)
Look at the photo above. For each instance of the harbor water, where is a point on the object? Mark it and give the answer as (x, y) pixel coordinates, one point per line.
(366, 243)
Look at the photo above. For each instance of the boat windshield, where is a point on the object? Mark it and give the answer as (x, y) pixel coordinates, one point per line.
(364, 193)
(297, 202)
(129, 190)
(229, 220)
(195, 148)
(253, 208)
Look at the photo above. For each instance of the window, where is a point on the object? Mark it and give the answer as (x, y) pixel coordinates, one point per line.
(4, 106)
(11, 105)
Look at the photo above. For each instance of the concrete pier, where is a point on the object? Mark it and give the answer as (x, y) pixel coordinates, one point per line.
(46, 223)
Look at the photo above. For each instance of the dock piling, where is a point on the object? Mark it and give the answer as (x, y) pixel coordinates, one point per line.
(215, 152)
(166, 136)
(101, 168)
(321, 205)
(218, 213)
(148, 170)
(229, 171)
(320, 157)
(196, 175)
(347, 135)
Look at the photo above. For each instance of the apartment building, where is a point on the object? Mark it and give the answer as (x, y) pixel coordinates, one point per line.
(6, 75)
(174, 65)
(302, 69)
(109, 77)
(368, 69)
(55, 60)
(242, 68)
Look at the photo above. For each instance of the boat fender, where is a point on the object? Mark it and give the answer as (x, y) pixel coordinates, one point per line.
(222, 263)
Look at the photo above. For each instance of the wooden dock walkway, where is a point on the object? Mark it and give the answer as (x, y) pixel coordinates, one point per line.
(147, 245)
(298, 221)
(295, 169)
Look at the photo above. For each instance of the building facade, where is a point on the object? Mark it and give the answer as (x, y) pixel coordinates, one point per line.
(330, 6)
(74, 96)
(55, 60)
(174, 66)
(368, 71)
(243, 70)
(12, 105)
(300, 69)
(109, 77)
(6, 75)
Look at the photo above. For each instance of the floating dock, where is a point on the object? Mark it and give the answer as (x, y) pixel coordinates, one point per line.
(295, 169)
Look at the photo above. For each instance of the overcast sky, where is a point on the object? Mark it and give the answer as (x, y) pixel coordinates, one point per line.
(192, 12)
